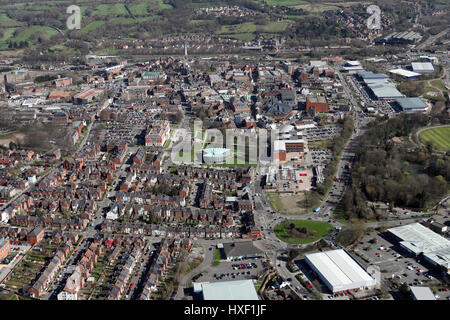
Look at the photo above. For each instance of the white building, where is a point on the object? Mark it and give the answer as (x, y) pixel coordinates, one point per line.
(339, 271)
(422, 67)
(227, 290)
(422, 293)
(418, 239)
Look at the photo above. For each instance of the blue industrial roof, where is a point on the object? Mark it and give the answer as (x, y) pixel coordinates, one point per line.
(382, 90)
(411, 103)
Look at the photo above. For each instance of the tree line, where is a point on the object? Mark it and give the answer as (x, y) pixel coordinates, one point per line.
(390, 171)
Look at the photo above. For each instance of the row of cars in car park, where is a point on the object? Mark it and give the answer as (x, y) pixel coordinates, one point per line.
(230, 274)
(248, 265)
(345, 293)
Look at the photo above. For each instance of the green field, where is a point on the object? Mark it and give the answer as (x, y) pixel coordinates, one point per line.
(5, 21)
(440, 137)
(247, 31)
(250, 27)
(110, 10)
(28, 33)
(143, 7)
(7, 34)
(92, 26)
(207, 4)
(286, 3)
(320, 229)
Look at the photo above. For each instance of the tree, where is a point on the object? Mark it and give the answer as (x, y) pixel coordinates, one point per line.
(404, 289)
(429, 146)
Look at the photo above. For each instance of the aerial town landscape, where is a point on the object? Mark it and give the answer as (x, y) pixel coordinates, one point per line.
(224, 150)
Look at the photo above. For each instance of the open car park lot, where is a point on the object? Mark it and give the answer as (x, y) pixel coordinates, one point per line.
(395, 264)
(251, 268)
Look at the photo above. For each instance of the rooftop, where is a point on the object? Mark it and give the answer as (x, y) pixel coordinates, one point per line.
(422, 66)
(236, 249)
(419, 238)
(411, 103)
(383, 90)
(422, 293)
(229, 290)
(340, 269)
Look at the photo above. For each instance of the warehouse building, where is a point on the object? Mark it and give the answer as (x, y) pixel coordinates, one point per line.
(422, 67)
(405, 73)
(385, 91)
(227, 290)
(352, 67)
(419, 240)
(412, 105)
(379, 85)
(402, 37)
(339, 271)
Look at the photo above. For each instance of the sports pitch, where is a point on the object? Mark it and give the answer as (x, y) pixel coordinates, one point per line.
(440, 137)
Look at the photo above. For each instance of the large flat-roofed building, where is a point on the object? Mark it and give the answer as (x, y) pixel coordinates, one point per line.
(352, 66)
(405, 73)
(379, 85)
(369, 75)
(285, 150)
(418, 239)
(319, 103)
(154, 76)
(87, 95)
(422, 67)
(412, 105)
(422, 293)
(227, 290)
(402, 37)
(384, 91)
(339, 271)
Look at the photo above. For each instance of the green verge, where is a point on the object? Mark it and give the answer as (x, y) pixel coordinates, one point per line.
(320, 229)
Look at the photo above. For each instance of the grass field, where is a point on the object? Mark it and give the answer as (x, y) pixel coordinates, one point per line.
(320, 229)
(250, 27)
(287, 203)
(143, 7)
(110, 10)
(438, 83)
(29, 32)
(286, 3)
(94, 25)
(5, 21)
(440, 137)
(7, 34)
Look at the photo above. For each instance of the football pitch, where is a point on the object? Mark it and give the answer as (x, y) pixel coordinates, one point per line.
(440, 137)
